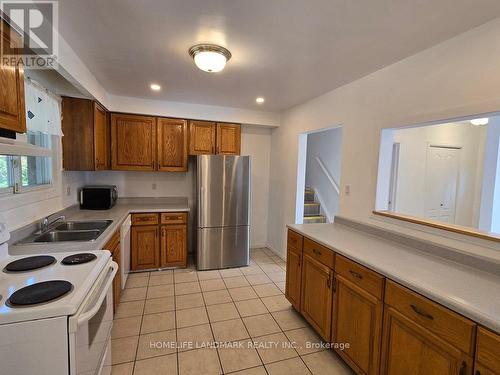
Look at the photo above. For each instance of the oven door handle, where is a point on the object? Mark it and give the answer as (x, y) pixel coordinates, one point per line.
(90, 313)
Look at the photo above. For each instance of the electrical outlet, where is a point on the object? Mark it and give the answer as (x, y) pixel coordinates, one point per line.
(68, 190)
(347, 190)
(153, 186)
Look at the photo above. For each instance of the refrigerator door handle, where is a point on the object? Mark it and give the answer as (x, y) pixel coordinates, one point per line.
(200, 207)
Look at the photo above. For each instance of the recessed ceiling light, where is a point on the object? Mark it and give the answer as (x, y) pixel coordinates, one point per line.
(479, 121)
(210, 57)
(260, 100)
(155, 87)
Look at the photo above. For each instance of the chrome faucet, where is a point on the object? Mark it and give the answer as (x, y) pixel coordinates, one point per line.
(45, 224)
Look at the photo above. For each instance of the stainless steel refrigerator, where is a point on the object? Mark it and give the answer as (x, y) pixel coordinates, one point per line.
(223, 205)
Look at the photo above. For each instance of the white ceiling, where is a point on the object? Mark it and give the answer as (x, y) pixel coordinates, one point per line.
(288, 51)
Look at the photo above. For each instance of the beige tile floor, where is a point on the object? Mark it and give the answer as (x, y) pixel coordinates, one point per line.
(168, 321)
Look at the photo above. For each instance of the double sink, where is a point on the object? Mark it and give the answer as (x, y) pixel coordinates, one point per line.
(71, 231)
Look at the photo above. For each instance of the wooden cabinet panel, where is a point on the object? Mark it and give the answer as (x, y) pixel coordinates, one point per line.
(201, 137)
(316, 298)
(133, 142)
(293, 276)
(448, 325)
(319, 252)
(295, 240)
(357, 320)
(145, 252)
(117, 281)
(12, 107)
(487, 352)
(410, 349)
(174, 218)
(144, 219)
(172, 145)
(102, 141)
(173, 246)
(228, 139)
(366, 279)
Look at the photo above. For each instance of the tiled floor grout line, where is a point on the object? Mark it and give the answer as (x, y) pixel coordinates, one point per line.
(176, 337)
(140, 327)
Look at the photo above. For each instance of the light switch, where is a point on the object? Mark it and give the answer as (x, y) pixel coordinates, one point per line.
(347, 189)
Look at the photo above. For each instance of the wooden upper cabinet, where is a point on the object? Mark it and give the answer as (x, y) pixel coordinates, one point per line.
(12, 107)
(316, 298)
(144, 250)
(173, 246)
(172, 145)
(487, 353)
(133, 142)
(202, 137)
(86, 140)
(102, 141)
(228, 139)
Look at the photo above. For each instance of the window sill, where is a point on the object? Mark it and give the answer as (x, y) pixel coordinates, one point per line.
(10, 201)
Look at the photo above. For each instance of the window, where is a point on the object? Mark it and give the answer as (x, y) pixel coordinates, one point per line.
(28, 162)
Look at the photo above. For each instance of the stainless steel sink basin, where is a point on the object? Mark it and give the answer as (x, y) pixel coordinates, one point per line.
(68, 235)
(83, 225)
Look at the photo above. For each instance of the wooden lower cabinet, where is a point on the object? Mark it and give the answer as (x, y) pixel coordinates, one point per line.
(357, 321)
(145, 247)
(487, 353)
(173, 246)
(158, 240)
(293, 276)
(410, 349)
(113, 245)
(316, 297)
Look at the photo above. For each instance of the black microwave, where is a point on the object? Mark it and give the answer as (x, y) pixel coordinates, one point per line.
(101, 197)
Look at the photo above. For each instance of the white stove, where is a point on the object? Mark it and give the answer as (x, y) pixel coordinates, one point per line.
(55, 319)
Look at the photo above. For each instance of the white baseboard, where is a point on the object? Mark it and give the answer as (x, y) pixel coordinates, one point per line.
(276, 252)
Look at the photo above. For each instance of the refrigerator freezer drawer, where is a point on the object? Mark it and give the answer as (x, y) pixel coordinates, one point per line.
(223, 247)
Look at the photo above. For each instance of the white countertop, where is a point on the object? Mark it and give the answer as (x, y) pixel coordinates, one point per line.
(118, 214)
(468, 291)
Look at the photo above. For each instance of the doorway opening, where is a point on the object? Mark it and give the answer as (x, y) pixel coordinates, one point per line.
(318, 176)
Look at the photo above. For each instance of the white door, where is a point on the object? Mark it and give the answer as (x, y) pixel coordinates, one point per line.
(441, 183)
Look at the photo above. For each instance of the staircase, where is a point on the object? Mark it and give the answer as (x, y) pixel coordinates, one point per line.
(312, 209)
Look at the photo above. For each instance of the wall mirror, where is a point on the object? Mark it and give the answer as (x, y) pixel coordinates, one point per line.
(445, 175)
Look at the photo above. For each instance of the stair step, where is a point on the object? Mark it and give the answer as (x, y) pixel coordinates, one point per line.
(311, 209)
(314, 219)
(309, 195)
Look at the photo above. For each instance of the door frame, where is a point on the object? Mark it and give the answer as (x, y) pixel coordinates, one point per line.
(393, 184)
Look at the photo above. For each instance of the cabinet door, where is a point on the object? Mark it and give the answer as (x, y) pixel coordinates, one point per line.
(133, 142)
(172, 145)
(201, 137)
(173, 246)
(228, 139)
(487, 352)
(293, 276)
(316, 299)
(117, 281)
(102, 152)
(12, 109)
(357, 320)
(410, 349)
(145, 252)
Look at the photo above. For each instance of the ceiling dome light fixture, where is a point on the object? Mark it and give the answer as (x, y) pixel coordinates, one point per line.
(260, 100)
(210, 57)
(155, 87)
(480, 121)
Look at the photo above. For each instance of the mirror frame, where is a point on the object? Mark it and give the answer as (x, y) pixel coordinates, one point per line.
(435, 224)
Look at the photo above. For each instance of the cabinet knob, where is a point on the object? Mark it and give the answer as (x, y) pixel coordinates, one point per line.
(463, 368)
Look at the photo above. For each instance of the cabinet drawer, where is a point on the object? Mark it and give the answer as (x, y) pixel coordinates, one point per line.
(441, 321)
(295, 240)
(144, 219)
(174, 218)
(319, 252)
(488, 349)
(366, 279)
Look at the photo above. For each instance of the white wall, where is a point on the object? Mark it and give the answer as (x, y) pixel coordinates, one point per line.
(414, 143)
(327, 146)
(456, 78)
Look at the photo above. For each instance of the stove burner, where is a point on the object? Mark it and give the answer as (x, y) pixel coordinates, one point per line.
(78, 259)
(30, 263)
(39, 293)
